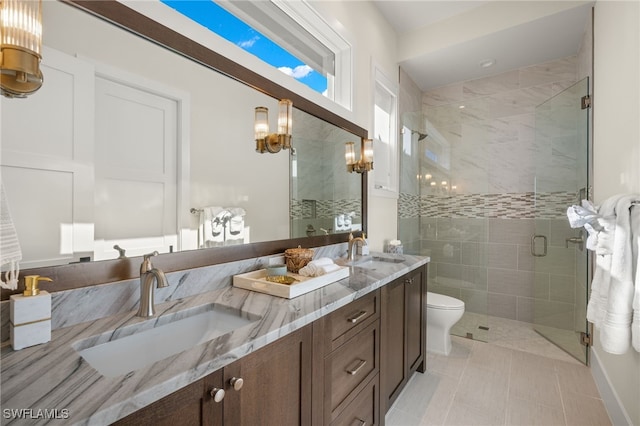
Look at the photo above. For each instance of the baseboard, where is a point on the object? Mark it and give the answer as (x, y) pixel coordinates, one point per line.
(616, 411)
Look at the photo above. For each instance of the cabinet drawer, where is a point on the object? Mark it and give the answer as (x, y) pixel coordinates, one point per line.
(351, 366)
(344, 323)
(363, 410)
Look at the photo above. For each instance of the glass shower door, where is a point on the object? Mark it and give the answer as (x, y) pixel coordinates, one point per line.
(561, 262)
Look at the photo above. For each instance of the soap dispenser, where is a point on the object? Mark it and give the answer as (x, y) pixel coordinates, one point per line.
(30, 314)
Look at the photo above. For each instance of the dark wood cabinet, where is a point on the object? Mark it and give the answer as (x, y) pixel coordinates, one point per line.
(271, 386)
(346, 368)
(403, 331)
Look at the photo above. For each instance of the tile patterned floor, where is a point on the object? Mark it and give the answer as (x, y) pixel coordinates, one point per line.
(489, 384)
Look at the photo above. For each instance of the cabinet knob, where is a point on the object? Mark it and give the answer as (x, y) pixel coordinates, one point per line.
(236, 383)
(408, 281)
(217, 394)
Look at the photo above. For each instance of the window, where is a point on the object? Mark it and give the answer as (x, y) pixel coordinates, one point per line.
(289, 36)
(385, 136)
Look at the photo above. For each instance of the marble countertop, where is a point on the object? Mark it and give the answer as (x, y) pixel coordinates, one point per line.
(54, 377)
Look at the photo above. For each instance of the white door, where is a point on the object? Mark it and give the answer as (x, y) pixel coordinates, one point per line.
(47, 163)
(136, 170)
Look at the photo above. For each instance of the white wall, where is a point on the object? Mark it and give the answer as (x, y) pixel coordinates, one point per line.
(616, 110)
(374, 41)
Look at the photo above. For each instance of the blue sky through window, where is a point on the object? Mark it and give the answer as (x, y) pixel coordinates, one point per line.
(221, 22)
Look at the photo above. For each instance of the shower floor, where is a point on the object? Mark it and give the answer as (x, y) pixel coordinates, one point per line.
(518, 335)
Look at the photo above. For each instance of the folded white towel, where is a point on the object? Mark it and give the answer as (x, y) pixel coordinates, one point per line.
(320, 266)
(635, 324)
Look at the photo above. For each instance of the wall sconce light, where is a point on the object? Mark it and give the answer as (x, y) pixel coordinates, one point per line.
(365, 163)
(20, 47)
(273, 142)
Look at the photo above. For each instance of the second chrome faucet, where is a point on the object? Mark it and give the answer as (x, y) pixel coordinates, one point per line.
(149, 274)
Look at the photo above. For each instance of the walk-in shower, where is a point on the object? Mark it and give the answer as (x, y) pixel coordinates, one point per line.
(485, 195)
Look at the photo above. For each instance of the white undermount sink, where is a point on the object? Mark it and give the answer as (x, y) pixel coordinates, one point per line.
(367, 262)
(143, 348)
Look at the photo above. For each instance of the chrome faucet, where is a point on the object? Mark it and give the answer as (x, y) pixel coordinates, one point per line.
(147, 275)
(351, 254)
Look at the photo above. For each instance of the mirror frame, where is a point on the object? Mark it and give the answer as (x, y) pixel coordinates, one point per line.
(78, 275)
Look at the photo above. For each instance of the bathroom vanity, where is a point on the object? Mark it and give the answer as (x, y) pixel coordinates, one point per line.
(326, 357)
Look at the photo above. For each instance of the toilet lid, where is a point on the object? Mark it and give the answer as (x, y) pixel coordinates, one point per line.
(440, 301)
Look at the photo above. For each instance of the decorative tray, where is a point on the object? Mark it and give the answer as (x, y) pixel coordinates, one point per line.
(256, 281)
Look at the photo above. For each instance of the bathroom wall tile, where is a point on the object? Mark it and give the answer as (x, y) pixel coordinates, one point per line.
(526, 412)
(513, 282)
(525, 309)
(502, 305)
(549, 72)
(435, 287)
(541, 286)
(559, 261)
(474, 254)
(461, 276)
(462, 229)
(562, 288)
(491, 85)
(554, 314)
(511, 231)
(502, 256)
(443, 95)
(527, 262)
(442, 251)
(474, 301)
(559, 231)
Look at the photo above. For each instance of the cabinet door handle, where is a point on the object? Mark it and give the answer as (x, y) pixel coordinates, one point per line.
(408, 281)
(354, 371)
(217, 394)
(361, 422)
(358, 317)
(236, 383)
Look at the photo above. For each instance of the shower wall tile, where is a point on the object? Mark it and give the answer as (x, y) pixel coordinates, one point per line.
(562, 288)
(554, 314)
(506, 81)
(474, 301)
(474, 254)
(502, 305)
(541, 286)
(442, 251)
(502, 256)
(549, 72)
(511, 231)
(455, 275)
(525, 307)
(443, 95)
(460, 229)
(511, 282)
(526, 262)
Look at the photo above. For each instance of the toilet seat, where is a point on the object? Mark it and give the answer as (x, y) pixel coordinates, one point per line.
(440, 301)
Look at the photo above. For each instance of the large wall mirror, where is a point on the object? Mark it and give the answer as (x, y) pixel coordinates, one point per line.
(139, 144)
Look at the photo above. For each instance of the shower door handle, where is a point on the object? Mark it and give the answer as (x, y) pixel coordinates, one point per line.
(544, 246)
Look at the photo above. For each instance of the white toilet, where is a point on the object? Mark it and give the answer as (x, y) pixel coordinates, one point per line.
(442, 313)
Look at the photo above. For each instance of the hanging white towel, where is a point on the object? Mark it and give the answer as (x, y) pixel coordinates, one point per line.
(10, 252)
(600, 229)
(635, 324)
(235, 226)
(610, 304)
(209, 233)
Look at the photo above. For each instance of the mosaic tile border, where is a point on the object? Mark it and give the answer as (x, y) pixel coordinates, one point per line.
(323, 209)
(551, 205)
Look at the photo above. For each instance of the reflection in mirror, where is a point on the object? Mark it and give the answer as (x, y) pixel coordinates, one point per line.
(126, 138)
(325, 198)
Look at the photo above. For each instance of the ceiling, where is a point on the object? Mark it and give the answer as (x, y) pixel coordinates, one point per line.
(533, 42)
